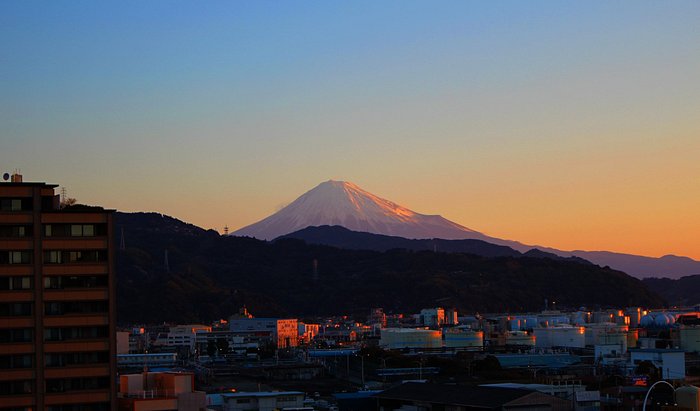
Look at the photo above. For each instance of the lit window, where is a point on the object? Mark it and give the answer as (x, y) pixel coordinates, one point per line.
(53, 257)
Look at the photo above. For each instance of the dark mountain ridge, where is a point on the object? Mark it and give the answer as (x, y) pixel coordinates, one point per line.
(684, 291)
(209, 276)
(341, 237)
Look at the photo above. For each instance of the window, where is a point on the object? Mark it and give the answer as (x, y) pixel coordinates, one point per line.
(15, 335)
(75, 230)
(15, 204)
(76, 384)
(68, 359)
(19, 257)
(53, 257)
(15, 257)
(15, 309)
(16, 361)
(87, 281)
(75, 307)
(15, 283)
(82, 230)
(82, 256)
(14, 231)
(16, 387)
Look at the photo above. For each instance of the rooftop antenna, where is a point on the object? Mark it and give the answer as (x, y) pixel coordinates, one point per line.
(64, 194)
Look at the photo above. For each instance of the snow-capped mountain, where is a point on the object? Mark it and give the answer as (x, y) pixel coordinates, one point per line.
(345, 204)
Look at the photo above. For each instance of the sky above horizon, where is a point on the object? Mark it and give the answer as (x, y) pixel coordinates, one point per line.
(574, 125)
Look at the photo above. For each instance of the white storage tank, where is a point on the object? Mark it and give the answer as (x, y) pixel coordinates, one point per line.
(520, 338)
(596, 333)
(688, 397)
(463, 338)
(562, 336)
(647, 321)
(397, 338)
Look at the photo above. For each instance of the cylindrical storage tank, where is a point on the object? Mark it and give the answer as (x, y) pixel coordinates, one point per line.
(688, 397)
(560, 337)
(456, 338)
(520, 338)
(662, 320)
(602, 317)
(397, 338)
(579, 318)
(635, 314)
(614, 338)
(529, 323)
(514, 324)
(632, 338)
(647, 321)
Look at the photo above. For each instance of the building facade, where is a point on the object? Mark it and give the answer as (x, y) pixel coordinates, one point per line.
(57, 302)
(282, 333)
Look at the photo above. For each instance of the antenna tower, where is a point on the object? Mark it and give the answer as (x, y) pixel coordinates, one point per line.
(122, 243)
(226, 230)
(166, 263)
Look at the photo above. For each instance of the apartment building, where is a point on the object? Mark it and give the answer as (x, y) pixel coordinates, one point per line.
(57, 304)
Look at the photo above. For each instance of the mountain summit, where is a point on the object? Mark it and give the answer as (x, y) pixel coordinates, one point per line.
(345, 204)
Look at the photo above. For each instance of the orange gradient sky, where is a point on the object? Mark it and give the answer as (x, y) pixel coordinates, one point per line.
(568, 125)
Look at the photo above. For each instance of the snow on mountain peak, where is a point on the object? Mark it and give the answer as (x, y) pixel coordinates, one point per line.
(346, 204)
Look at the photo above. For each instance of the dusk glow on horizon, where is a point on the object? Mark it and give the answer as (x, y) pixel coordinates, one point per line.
(573, 125)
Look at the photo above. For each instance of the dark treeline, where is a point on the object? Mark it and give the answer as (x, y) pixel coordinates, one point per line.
(209, 276)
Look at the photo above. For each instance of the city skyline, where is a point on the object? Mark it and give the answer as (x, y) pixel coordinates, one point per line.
(569, 125)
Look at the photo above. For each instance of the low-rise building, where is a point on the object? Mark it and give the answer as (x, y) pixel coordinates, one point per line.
(670, 362)
(282, 332)
(263, 401)
(155, 391)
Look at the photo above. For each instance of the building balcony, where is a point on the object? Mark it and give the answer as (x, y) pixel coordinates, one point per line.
(16, 296)
(74, 371)
(17, 374)
(77, 397)
(75, 269)
(18, 269)
(18, 401)
(77, 294)
(16, 322)
(17, 217)
(17, 348)
(23, 243)
(76, 346)
(76, 320)
(74, 243)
